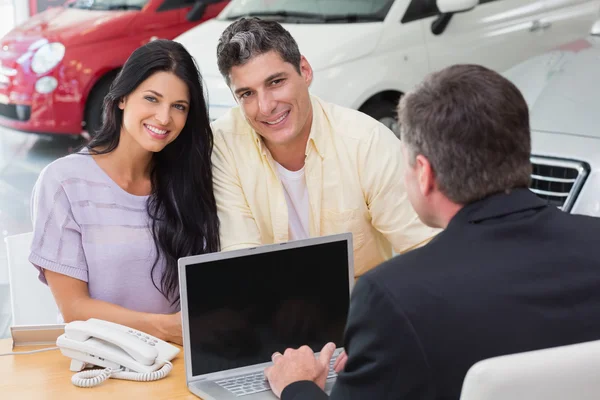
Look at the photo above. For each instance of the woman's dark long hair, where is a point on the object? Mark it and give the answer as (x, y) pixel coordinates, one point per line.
(181, 206)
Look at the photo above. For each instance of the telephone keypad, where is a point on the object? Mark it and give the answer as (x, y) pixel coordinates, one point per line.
(146, 339)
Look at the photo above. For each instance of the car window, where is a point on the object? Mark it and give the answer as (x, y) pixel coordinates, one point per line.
(175, 4)
(419, 9)
(109, 4)
(320, 10)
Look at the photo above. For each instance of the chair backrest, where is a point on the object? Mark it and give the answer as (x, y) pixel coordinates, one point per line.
(32, 302)
(567, 372)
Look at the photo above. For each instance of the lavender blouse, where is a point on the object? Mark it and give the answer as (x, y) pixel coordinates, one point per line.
(87, 227)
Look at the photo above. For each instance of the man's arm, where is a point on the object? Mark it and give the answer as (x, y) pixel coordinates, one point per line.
(385, 357)
(381, 168)
(238, 228)
(303, 390)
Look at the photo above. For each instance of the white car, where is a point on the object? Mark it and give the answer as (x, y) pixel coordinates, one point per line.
(366, 53)
(561, 89)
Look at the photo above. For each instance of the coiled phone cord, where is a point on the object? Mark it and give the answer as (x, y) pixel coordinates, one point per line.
(94, 377)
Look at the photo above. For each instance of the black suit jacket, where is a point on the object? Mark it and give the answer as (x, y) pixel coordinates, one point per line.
(509, 274)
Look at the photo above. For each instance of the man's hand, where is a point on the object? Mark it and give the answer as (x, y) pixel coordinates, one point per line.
(299, 365)
(340, 362)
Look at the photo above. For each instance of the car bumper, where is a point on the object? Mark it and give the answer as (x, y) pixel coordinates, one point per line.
(23, 108)
(41, 113)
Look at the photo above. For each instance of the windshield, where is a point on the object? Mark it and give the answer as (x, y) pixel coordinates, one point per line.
(309, 11)
(108, 4)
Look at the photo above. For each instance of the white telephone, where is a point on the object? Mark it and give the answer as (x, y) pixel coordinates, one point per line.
(124, 352)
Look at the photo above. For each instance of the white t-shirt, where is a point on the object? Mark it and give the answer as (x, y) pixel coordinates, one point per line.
(296, 197)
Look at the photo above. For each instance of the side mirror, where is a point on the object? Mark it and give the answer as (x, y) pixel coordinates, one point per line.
(447, 9)
(454, 6)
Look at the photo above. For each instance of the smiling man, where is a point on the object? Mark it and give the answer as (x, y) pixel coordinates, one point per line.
(287, 165)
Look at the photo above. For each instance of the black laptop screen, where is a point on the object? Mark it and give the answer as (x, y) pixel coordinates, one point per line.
(243, 309)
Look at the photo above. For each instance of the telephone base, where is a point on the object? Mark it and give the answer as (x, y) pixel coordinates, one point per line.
(77, 365)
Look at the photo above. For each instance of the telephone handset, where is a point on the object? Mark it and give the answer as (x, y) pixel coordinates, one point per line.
(125, 352)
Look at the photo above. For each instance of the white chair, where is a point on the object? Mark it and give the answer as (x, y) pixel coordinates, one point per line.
(561, 373)
(32, 302)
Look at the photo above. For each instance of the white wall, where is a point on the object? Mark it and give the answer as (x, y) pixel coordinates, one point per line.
(21, 11)
(7, 16)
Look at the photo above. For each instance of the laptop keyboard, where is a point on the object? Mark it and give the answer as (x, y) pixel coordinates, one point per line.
(255, 382)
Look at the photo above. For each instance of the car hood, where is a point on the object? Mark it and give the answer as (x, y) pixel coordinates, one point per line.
(566, 146)
(562, 88)
(344, 43)
(70, 26)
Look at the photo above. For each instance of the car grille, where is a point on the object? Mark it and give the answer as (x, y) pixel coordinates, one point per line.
(18, 112)
(558, 181)
(5, 71)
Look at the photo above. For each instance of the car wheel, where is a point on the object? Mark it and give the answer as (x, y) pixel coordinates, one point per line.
(93, 107)
(384, 112)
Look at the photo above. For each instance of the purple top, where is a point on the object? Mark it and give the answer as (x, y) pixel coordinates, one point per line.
(87, 227)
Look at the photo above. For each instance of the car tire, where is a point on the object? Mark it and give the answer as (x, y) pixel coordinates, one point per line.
(93, 107)
(384, 112)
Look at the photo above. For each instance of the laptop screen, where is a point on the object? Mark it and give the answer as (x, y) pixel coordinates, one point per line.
(243, 309)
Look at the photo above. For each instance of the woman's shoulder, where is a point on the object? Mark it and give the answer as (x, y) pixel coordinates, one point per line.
(73, 166)
(59, 181)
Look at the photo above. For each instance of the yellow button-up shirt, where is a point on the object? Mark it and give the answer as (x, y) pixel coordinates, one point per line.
(354, 177)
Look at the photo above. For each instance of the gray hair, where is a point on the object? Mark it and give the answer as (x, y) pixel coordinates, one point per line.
(472, 125)
(250, 37)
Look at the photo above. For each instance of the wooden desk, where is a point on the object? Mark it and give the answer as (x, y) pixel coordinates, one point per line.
(47, 376)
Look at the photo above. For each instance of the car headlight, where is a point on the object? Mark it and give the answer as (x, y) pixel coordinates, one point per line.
(46, 84)
(47, 57)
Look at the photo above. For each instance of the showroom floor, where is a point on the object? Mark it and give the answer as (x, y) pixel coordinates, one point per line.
(6, 22)
(22, 157)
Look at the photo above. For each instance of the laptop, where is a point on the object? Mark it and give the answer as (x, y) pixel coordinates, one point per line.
(239, 307)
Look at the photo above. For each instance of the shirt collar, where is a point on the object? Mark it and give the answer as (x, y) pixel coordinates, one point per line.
(316, 137)
(499, 205)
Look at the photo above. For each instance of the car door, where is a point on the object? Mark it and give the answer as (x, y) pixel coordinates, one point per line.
(166, 19)
(495, 33)
(565, 21)
(156, 20)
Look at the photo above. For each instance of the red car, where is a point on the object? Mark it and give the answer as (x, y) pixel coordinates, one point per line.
(56, 68)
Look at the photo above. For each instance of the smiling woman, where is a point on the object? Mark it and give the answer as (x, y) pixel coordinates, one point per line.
(111, 221)
(150, 107)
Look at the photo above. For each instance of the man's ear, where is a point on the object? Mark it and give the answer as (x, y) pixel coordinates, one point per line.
(306, 70)
(426, 176)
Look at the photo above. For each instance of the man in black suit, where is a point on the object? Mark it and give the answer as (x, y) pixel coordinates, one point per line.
(508, 274)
